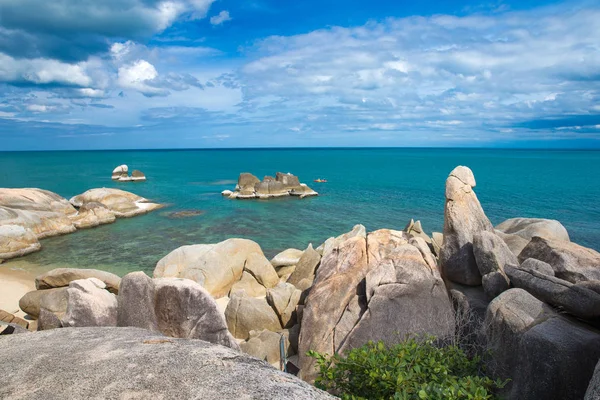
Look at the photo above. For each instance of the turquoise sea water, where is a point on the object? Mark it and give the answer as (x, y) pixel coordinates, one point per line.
(380, 188)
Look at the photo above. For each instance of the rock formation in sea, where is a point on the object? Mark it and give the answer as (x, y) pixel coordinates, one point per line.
(28, 215)
(121, 174)
(250, 187)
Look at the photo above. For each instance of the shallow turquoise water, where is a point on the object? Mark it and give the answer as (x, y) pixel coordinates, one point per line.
(380, 188)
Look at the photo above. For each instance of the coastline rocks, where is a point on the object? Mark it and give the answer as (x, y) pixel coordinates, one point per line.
(123, 204)
(305, 268)
(491, 256)
(261, 269)
(343, 267)
(250, 187)
(214, 266)
(463, 218)
(570, 261)
(244, 314)
(531, 264)
(128, 363)
(287, 258)
(93, 214)
(17, 241)
(136, 298)
(89, 304)
(527, 228)
(8, 318)
(61, 277)
(263, 345)
(120, 174)
(250, 285)
(545, 355)
(53, 300)
(137, 175)
(576, 300)
(284, 298)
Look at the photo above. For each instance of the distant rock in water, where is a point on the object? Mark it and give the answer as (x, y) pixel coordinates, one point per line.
(184, 214)
(250, 187)
(123, 204)
(121, 174)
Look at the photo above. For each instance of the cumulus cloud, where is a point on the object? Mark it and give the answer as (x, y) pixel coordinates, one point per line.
(139, 76)
(220, 18)
(42, 72)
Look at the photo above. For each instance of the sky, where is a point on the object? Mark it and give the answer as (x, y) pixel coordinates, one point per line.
(141, 74)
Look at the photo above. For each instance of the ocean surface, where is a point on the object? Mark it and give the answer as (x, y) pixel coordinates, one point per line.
(379, 188)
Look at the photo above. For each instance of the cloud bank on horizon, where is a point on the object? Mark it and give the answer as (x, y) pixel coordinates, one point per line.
(78, 74)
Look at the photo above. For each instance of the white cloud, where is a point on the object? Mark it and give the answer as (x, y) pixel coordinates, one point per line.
(222, 17)
(42, 71)
(138, 76)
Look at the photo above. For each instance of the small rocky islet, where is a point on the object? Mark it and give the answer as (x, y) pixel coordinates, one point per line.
(521, 290)
(282, 185)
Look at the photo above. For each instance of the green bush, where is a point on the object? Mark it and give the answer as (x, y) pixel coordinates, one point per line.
(412, 369)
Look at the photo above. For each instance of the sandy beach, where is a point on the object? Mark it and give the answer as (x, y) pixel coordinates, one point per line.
(14, 283)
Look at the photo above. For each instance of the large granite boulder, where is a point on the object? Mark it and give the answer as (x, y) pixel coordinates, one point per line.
(288, 180)
(343, 266)
(531, 264)
(136, 302)
(463, 218)
(53, 300)
(250, 285)
(262, 270)
(214, 266)
(61, 277)
(120, 172)
(576, 300)
(306, 266)
(123, 204)
(93, 214)
(470, 305)
(492, 255)
(137, 176)
(284, 298)
(406, 296)
(528, 228)
(270, 188)
(593, 390)
(17, 241)
(570, 261)
(246, 184)
(287, 258)
(263, 345)
(244, 314)
(89, 304)
(132, 363)
(334, 242)
(545, 355)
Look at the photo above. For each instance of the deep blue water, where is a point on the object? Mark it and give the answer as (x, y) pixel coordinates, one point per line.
(380, 188)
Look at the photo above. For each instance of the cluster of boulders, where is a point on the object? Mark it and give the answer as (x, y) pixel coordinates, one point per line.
(250, 187)
(121, 174)
(28, 215)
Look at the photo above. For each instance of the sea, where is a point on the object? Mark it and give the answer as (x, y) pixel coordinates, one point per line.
(379, 188)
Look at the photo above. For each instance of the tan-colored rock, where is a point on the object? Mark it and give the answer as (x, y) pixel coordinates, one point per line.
(245, 314)
(259, 267)
(287, 258)
(284, 298)
(250, 285)
(285, 272)
(137, 175)
(123, 204)
(306, 267)
(214, 266)
(13, 319)
(120, 172)
(93, 214)
(332, 242)
(463, 218)
(54, 300)
(17, 241)
(61, 277)
(437, 239)
(263, 345)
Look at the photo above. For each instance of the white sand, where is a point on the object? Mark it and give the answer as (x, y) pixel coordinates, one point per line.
(14, 283)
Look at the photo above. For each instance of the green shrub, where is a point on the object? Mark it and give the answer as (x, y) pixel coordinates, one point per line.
(412, 369)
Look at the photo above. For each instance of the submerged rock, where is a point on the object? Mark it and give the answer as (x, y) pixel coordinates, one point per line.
(184, 214)
(86, 363)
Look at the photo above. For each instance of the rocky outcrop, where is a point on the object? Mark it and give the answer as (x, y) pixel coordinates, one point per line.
(61, 277)
(120, 174)
(517, 232)
(287, 258)
(544, 354)
(570, 261)
(491, 256)
(89, 304)
(217, 267)
(250, 187)
(85, 363)
(17, 241)
(263, 345)
(53, 300)
(531, 264)
(576, 300)
(136, 302)
(463, 218)
(250, 285)
(245, 314)
(306, 267)
(121, 203)
(93, 214)
(284, 298)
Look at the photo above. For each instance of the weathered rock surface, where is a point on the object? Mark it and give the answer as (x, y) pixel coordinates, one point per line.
(287, 258)
(333, 242)
(244, 314)
(531, 264)
(284, 298)
(570, 261)
(492, 255)
(261, 269)
(249, 186)
(54, 300)
(528, 228)
(89, 304)
(131, 363)
(123, 204)
(546, 356)
(515, 243)
(306, 266)
(136, 302)
(8, 318)
(250, 285)
(463, 218)
(17, 241)
(263, 345)
(61, 277)
(214, 266)
(437, 239)
(7, 328)
(470, 305)
(343, 267)
(576, 300)
(121, 174)
(93, 214)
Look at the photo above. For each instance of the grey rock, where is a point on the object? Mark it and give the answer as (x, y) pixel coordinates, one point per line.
(136, 302)
(515, 243)
(7, 328)
(528, 228)
(131, 363)
(54, 300)
(263, 345)
(531, 264)
(470, 305)
(89, 304)
(494, 283)
(570, 261)
(492, 255)
(437, 239)
(284, 298)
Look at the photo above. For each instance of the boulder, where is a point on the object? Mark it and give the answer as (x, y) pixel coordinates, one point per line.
(263, 345)
(284, 298)
(269, 188)
(288, 180)
(132, 363)
(333, 242)
(17, 241)
(491, 255)
(7, 328)
(306, 266)
(285, 272)
(250, 285)
(214, 266)
(406, 296)
(246, 183)
(54, 300)
(123, 204)
(515, 243)
(244, 314)
(570, 261)
(184, 309)
(136, 302)
(89, 304)
(287, 258)
(122, 171)
(137, 175)
(528, 228)
(437, 239)
(93, 214)
(470, 305)
(261, 269)
(61, 277)
(593, 390)
(414, 229)
(579, 301)
(343, 267)
(8, 318)
(463, 218)
(531, 264)
(545, 355)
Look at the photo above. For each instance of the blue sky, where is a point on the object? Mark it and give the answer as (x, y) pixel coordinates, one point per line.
(88, 74)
